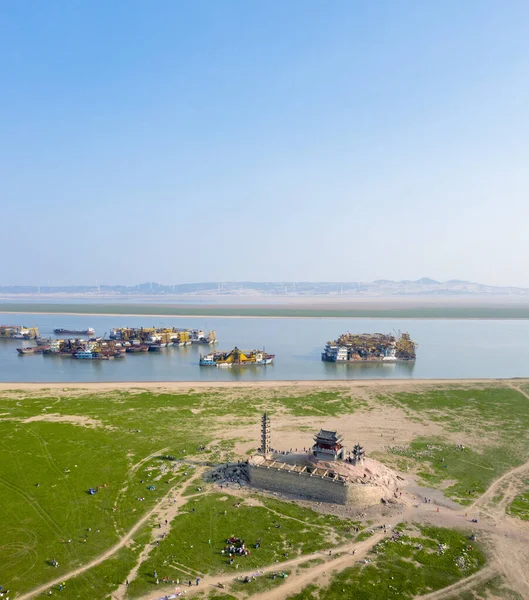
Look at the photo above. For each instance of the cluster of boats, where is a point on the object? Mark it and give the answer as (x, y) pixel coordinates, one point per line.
(121, 341)
(349, 347)
(370, 347)
(18, 332)
(164, 336)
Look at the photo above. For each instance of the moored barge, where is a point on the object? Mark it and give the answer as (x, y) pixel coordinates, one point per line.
(237, 358)
(370, 347)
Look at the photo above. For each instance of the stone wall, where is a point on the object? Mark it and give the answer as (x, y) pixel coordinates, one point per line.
(299, 484)
(313, 487)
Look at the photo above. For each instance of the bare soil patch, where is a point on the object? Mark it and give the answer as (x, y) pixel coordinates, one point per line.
(72, 419)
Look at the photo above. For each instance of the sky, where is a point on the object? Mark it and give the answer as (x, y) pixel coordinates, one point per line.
(304, 140)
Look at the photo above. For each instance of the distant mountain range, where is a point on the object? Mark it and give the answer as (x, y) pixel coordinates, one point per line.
(382, 287)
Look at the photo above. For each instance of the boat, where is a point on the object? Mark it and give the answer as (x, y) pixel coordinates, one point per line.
(18, 332)
(207, 361)
(43, 341)
(199, 337)
(89, 355)
(89, 331)
(237, 358)
(138, 348)
(169, 335)
(370, 347)
(32, 350)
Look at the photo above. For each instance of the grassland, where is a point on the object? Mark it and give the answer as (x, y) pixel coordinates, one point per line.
(422, 560)
(69, 440)
(490, 424)
(315, 311)
(519, 507)
(198, 537)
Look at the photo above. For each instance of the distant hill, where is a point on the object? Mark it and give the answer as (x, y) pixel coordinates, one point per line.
(382, 287)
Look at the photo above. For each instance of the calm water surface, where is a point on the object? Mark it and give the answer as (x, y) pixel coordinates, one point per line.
(447, 349)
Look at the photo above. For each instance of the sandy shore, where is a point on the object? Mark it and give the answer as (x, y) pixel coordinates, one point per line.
(186, 385)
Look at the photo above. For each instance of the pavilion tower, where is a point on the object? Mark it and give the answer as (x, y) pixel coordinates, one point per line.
(265, 435)
(358, 455)
(328, 445)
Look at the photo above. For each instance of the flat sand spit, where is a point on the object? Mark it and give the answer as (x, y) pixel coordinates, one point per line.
(395, 384)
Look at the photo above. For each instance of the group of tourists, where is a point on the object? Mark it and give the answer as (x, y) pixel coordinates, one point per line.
(236, 547)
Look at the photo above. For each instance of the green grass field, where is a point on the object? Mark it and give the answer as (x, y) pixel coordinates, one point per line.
(200, 531)
(519, 507)
(494, 419)
(117, 440)
(431, 559)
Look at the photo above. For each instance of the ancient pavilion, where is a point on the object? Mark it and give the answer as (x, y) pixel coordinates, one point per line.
(328, 445)
(358, 455)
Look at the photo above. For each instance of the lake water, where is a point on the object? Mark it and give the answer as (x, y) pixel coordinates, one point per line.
(447, 349)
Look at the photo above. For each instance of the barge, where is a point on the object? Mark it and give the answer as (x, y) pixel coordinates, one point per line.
(89, 331)
(170, 336)
(18, 332)
(32, 350)
(370, 347)
(236, 358)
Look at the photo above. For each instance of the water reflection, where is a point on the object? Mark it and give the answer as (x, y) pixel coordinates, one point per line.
(369, 370)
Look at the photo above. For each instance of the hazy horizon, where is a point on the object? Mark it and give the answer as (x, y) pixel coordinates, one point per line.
(299, 141)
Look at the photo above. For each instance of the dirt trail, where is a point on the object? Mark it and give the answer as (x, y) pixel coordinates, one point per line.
(519, 389)
(461, 586)
(493, 490)
(167, 512)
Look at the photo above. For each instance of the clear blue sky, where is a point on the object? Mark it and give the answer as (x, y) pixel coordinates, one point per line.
(191, 141)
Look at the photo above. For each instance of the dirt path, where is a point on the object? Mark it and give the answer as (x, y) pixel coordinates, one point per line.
(461, 586)
(166, 513)
(519, 389)
(493, 490)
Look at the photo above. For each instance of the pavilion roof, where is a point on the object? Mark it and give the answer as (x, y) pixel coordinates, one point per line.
(328, 436)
